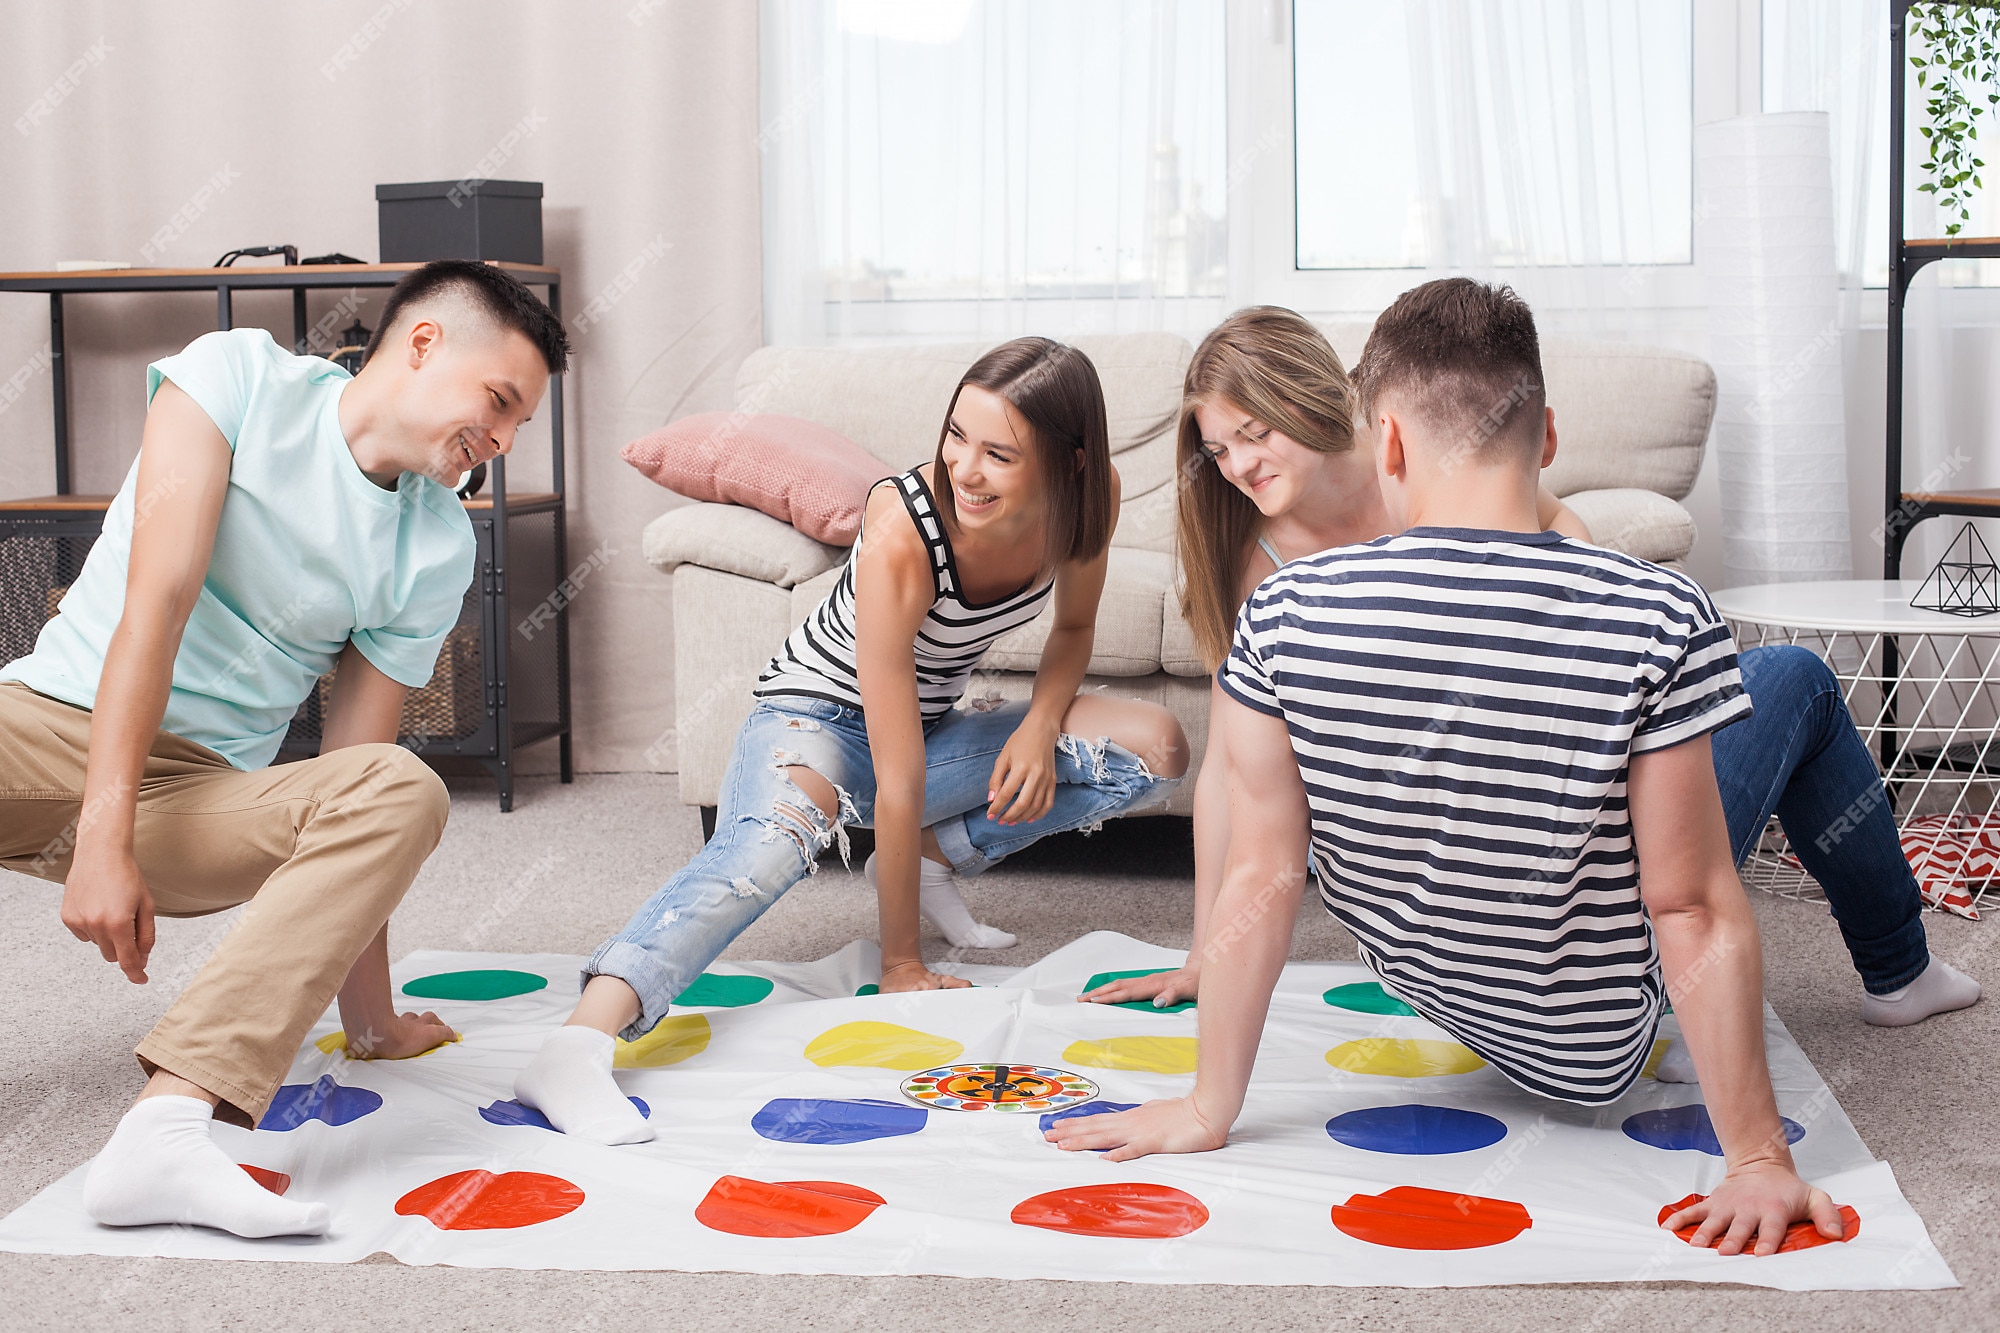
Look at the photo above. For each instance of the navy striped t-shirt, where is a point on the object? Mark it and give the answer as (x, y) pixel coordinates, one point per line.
(1464, 706)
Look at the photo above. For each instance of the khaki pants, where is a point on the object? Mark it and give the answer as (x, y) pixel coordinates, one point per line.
(326, 848)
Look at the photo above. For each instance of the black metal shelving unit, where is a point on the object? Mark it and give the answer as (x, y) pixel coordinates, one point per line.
(520, 689)
(1904, 509)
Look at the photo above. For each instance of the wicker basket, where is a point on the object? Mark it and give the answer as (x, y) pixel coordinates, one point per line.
(452, 705)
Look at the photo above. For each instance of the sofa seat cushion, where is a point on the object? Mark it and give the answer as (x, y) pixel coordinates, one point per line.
(736, 540)
(1637, 522)
(1136, 587)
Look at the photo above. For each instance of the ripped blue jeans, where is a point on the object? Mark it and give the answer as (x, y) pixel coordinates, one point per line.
(769, 834)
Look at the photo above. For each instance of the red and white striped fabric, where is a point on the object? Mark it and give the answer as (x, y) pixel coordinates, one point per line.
(1951, 855)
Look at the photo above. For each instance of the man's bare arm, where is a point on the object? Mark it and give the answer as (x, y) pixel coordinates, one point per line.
(1709, 953)
(1249, 934)
(367, 709)
(183, 476)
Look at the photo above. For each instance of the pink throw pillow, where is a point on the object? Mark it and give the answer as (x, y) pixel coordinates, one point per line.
(795, 470)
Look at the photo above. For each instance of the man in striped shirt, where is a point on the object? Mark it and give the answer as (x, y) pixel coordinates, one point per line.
(1485, 730)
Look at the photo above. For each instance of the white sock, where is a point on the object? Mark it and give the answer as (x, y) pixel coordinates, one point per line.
(1676, 1066)
(162, 1166)
(570, 1082)
(939, 901)
(1939, 989)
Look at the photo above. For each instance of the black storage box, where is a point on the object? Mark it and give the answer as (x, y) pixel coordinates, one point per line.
(467, 219)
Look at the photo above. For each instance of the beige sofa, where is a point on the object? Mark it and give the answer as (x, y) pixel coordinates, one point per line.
(1632, 424)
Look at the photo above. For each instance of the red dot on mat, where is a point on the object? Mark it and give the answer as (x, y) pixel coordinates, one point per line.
(745, 1207)
(1798, 1236)
(1411, 1218)
(482, 1201)
(275, 1181)
(1139, 1210)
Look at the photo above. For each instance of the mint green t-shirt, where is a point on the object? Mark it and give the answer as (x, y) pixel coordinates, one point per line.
(309, 554)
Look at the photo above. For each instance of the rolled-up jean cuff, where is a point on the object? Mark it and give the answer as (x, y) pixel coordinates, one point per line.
(643, 973)
(957, 847)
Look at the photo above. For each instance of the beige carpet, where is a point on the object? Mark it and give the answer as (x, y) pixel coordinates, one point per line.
(567, 867)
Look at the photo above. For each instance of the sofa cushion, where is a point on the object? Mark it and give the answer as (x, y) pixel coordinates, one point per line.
(795, 470)
(1642, 523)
(1626, 415)
(736, 540)
(1129, 615)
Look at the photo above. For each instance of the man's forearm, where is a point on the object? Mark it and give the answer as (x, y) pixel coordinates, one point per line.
(1248, 938)
(131, 699)
(1714, 974)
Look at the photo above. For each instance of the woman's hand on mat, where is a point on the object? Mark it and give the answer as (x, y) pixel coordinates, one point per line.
(1162, 988)
(403, 1036)
(1023, 786)
(1757, 1202)
(914, 975)
(1173, 1125)
(106, 903)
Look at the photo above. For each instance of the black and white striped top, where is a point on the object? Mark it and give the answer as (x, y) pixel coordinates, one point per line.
(818, 659)
(1464, 707)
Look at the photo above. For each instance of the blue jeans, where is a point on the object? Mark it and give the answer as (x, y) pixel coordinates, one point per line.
(769, 833)
(1800, 756)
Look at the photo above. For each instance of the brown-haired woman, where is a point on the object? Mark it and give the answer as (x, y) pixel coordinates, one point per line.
(855, 722)
(1269, 473)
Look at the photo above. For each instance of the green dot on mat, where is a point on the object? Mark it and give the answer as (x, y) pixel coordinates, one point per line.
(1367, 997)
(870, 989)
(1106, 978)
(725, 992)
(494, 984)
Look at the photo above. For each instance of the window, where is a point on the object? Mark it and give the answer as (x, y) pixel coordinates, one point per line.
(1492, 133)
(970, 156)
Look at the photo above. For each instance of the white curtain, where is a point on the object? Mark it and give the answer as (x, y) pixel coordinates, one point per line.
(1833, 56)
(983, 168)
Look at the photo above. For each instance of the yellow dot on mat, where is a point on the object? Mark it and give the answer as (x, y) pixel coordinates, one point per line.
(1652, 1068)
(1402, 1057)
(674, 1039)
(1155, 1055)
(882, 1046)
(336, 1042)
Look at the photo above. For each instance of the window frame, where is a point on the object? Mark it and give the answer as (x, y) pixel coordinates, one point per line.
(1727, 69)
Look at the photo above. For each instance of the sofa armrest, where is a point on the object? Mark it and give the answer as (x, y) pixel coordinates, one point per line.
(736, 540)
(1636, 522)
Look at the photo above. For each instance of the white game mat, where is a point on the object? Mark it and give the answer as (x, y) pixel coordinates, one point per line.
(1373, 1150)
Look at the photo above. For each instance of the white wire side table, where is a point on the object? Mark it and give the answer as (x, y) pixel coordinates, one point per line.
(1924, 690)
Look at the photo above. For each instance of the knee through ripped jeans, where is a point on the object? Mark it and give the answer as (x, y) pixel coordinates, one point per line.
(769, 834)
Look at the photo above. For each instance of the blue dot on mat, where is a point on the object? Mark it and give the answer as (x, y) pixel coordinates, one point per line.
(1687, 1129)
(1416, 1130)
(811, 1120)
(511, 1112)
(1088, 1108)
(326, 1100)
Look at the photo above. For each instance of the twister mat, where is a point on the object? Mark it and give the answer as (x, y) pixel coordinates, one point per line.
(1373, 1151)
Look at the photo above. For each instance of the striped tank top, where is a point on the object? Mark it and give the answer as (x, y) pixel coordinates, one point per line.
(818, 659)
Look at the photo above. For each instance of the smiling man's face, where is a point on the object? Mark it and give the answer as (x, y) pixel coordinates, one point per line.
(469, 386)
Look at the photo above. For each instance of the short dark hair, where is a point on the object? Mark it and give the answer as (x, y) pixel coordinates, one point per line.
(495, 291)
(1465, 359)
(1055, 388)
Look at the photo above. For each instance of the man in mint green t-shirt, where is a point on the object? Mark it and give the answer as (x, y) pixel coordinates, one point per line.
(283, 519)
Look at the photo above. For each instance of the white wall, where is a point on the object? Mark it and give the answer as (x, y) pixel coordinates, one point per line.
(639, 116)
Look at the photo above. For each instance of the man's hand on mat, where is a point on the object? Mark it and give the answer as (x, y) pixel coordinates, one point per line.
(403, 1036)
(1023, 785)
(915, 976)
(1162, 988)
(1173, 1125)
(106, 903)
(1757, 1201)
